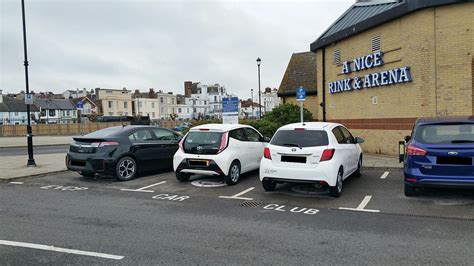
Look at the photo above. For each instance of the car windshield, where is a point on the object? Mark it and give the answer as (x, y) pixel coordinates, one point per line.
(300, 138)
(445, 134)
(103, 133)
(206, 140)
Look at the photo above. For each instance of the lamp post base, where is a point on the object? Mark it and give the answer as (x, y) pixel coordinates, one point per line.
(31, 163)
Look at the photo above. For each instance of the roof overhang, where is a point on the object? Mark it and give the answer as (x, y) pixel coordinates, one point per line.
(391, 14)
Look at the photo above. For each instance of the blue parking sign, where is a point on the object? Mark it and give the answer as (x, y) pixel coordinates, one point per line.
(300, 94)
(79, 105)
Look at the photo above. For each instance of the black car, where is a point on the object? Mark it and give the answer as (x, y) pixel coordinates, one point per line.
(123, 151)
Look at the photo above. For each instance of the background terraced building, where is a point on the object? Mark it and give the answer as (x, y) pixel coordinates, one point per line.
(383, 64)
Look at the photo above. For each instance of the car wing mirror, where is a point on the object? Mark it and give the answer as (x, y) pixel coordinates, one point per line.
(359, 140)
(401, 151)
(407, 138)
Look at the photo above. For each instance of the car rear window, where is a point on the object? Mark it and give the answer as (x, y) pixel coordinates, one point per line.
(445, 134)
(300, 138)
(207, 141)
(106, 132)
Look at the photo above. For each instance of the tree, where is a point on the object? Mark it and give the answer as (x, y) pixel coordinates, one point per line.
(287, 114)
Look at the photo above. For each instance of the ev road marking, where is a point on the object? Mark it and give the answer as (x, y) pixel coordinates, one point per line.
(237, 196)
(63, 250)
(64, 188)
(361, 206)
(170, 197)
(143, 189)
(384, 175)
(16, 183)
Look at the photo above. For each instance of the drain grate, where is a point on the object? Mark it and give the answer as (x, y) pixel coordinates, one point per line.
(251, 204)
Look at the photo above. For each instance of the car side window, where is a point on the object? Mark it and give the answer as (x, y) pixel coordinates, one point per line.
(238, 134)
(338, 134)
(348, 138)
(252, 135)
(162, 134)
(143, 135)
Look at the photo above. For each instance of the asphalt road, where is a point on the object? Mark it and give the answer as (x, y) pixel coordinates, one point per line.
(157, 220)
(10, 151)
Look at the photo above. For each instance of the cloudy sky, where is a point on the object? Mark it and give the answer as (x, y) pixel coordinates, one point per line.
(157, 44)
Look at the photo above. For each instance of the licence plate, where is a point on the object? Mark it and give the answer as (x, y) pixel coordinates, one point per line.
(199, 163)
(293, 159)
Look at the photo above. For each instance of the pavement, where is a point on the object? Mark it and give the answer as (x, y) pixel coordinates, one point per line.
(155, 219)
(12, 167)
(37, 141)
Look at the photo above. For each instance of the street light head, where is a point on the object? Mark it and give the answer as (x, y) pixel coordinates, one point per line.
(259, 61)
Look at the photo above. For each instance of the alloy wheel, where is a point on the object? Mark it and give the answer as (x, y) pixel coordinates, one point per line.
(126, 168)
(234, 173)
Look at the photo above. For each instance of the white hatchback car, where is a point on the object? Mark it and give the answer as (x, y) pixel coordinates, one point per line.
(226, 150)
(315, 152)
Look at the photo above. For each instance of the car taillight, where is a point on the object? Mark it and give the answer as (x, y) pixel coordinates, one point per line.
(327, 155)
(413, 150)
(266, 153)
(105, 143)
(223, 142)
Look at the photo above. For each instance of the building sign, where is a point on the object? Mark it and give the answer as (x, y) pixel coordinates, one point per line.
(230, 110)
(377, 79)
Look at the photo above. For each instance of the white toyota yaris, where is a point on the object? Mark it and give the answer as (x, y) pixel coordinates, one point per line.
(226, 150)
(315, 152)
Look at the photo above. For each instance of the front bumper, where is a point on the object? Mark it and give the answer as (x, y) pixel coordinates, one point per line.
(90, 163)
(298, 175)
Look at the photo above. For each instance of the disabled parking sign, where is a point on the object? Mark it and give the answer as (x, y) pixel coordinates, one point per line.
(300, 94)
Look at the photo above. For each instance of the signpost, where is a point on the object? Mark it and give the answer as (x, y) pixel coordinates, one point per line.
(29, 99)
(230, 110)
(301, 97)
(80, 106)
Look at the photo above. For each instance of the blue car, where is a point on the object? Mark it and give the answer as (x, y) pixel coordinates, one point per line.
(440, 153)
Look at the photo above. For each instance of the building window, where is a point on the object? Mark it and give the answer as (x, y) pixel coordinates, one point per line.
(194, 110)
(16, 113)
(125, 105)
(52, 112)
(110, 104)
(68, 113)
(172, 100)
(337, 56)
(179, 110)
(187, 110)
(205, 102)
(161, 99)
(376, 43)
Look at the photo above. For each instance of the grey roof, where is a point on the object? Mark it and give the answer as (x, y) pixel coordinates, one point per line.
(56, 104)
(16, 106)
(366, 14)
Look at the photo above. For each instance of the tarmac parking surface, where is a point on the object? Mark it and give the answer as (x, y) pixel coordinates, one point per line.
(371, 206)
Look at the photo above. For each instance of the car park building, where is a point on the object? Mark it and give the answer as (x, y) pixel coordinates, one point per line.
(384, 63)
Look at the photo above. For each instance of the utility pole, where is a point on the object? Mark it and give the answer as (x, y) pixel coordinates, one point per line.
(259, 91)
(29, 133)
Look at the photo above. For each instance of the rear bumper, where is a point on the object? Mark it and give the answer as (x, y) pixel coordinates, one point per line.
(269, 171)
(91, 164)
(420, 180)
(211, 170)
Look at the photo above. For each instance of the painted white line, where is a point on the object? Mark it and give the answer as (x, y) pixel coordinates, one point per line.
(63, 250)
(384, 175)
(143, 188)
(359, 210)
(237, 196)
(16, 183)
(364, 202)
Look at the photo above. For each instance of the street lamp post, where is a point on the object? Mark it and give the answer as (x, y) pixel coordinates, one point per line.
(259, 92)
(29, 132)
(251, 90)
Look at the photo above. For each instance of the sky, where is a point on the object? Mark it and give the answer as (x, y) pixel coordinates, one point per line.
(157, 44)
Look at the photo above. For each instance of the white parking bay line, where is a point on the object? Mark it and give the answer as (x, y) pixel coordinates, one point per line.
(237, 196)
(384, 175)
(143, 189)
(16, 183)
(63, 250)
(361, 207)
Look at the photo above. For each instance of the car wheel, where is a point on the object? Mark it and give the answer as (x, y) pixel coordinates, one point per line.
(126, 169)
(358, 172)
(182, 177)
(269, 185)
(336, 191)
(410, 190)
(86, 174)
(234, 174)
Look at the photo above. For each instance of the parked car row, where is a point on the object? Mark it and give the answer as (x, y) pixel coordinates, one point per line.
(439, 152)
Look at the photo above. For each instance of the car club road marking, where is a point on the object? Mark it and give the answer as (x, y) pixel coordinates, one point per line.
(57, 249)
(361, 206)
(16, 183)
(143, 189)
(237, 196)
(384, 175)
(281, 208)
(64, 188)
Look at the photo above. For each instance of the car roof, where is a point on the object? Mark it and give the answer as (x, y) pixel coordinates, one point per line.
(219, 127)
(441, 120)
(310, 125)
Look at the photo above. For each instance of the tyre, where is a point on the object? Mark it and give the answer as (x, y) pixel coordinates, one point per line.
(269, 185)
(410, 190)
(358, 172)
(182, 177)
(234, 174)
(86, 174)
(336, 191)
(126, 169)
